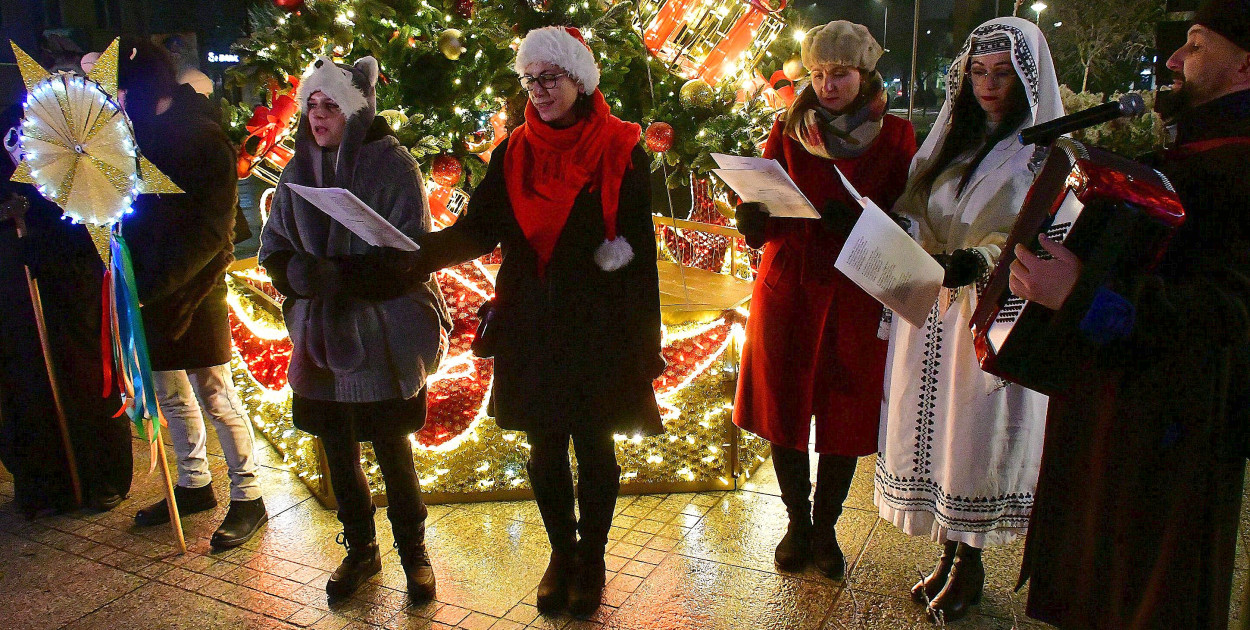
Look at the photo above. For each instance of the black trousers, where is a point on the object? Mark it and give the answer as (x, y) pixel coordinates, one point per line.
(407, 510)
(597, 486)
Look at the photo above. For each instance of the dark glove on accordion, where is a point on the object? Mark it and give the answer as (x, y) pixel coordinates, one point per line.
(752, 222)
(838, 217)
(963, 267)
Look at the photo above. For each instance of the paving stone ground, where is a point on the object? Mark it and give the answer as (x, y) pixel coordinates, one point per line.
(677, 561)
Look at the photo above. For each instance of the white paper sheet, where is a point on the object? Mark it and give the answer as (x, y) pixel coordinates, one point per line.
(764, 181)
(885, 262)
(356, 216)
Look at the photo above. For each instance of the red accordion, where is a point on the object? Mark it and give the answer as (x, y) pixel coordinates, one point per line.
(1115, 214)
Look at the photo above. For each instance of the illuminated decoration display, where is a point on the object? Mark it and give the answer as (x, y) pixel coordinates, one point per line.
(461, 454)
(707, 39)
(271, 133)
(719, 250)
(78, 148)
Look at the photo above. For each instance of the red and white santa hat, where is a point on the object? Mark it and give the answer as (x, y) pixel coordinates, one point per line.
(564, 47)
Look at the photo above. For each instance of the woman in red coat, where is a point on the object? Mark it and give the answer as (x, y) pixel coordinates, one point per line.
(812, 347)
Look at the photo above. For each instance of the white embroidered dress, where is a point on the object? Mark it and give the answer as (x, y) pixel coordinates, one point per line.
(959, 449)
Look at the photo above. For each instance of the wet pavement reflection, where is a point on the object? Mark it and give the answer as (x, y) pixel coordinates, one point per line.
(700, 560)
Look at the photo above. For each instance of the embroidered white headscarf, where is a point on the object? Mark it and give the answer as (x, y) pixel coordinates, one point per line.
(1031, 57)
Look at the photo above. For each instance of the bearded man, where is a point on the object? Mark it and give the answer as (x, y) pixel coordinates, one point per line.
(1135, 520)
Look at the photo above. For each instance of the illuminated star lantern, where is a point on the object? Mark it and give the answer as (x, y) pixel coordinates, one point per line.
(78, 147)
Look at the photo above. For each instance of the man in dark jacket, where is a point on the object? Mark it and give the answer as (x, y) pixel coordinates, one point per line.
(181, 247)
(63, 260)
(1135, 521)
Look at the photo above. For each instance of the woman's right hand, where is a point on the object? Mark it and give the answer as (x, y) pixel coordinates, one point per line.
(752, 222)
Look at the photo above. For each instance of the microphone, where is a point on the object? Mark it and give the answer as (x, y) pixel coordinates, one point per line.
(1130, 104)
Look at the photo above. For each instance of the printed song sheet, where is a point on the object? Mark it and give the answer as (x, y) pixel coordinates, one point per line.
(763, 180)
(885, 262)
(356, 216)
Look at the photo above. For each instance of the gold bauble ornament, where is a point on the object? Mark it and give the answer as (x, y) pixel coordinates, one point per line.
(724, 208)
(449, 44)
(793, 68)
(697, 93)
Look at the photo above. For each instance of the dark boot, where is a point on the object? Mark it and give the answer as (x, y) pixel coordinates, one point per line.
(243, 520)
(363, 559)
(834, 474)
(596, 499)
(792, 476)
(190, 501)
(928, 587)
(963, 586)
(553, 492)
(416, 563)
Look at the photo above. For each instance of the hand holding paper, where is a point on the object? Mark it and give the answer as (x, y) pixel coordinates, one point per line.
(886, 263)
(763, 181)
(356, 216)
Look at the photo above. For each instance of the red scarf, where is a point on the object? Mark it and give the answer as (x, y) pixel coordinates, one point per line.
(545, 168)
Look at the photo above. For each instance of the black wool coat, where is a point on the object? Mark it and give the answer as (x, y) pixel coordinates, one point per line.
(1135, 522)
(182, 244)
(578, 347)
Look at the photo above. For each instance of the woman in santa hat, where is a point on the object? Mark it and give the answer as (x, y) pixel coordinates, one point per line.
(575, 329)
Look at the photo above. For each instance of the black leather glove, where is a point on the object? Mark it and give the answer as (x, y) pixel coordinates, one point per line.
(752, 221)
(838, 217)
(901, 220)
(963, 267)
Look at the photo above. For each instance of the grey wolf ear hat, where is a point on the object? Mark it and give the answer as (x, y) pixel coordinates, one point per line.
(352, 87)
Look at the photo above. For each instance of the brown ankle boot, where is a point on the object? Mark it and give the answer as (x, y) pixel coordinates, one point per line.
(963, 587)
(929, 586)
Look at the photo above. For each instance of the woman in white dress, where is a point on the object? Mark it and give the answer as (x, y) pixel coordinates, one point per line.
(959, 449)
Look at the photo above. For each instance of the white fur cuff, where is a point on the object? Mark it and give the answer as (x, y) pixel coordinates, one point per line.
(614, 254)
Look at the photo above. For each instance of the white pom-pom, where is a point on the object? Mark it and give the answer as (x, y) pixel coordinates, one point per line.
(614, 254)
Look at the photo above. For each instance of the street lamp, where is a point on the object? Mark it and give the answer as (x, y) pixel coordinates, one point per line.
(885, 22)
(1038, 7)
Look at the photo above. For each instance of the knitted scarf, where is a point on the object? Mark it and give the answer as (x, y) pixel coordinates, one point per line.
(829, 135)
(545, 168)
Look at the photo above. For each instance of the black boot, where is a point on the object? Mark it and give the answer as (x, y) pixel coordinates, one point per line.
(243, 519)
(928, 587)
(553, 492)
(596, 499)
(834, 474)
(416, 563)
(190, 501)
(795, 547)
(363, 559)
(963, 586)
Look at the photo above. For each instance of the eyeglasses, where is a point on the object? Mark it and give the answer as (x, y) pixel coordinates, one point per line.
(547, 79)
(1000, 76)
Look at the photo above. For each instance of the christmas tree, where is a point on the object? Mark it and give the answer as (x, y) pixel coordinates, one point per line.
(448, 88)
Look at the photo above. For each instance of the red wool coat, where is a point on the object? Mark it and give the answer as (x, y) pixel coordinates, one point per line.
(811, 340)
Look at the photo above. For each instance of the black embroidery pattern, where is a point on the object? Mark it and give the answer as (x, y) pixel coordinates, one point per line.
(968, 514)
(928, 392)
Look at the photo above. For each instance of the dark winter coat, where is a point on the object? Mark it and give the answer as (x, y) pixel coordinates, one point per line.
(1135, 521)
(69, 272)
(182, 244)
(579, 347)
(811, 343)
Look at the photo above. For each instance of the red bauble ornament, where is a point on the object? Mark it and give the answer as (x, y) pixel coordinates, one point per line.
(446, 170)
(289, 5)
(659, 137)
(464, 8)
